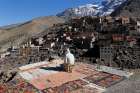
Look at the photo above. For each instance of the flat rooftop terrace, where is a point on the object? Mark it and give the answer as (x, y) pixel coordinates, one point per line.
(48, 77)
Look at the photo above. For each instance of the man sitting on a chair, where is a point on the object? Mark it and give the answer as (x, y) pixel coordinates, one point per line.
(69, 61)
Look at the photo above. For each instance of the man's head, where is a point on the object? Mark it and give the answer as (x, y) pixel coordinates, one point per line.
(67, 50)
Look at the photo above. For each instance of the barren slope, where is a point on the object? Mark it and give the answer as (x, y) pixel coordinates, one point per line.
(24, 31)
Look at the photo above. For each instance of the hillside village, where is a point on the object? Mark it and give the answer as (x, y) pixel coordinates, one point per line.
(87, 37)
(108, 41)
(91, 48)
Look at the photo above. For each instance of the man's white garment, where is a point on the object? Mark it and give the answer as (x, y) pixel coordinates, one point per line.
(69, 58)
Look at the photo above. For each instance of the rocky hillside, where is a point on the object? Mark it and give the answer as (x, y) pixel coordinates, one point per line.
(18, 34)
(131, 9)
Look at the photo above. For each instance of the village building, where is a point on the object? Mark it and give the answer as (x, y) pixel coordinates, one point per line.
(138, 26)
(125, 20)
(106, 55)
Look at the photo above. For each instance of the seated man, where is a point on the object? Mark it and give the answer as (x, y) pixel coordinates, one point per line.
(69, 61)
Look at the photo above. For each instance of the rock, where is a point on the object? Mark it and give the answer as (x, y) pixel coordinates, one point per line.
(1, 73)
(6, 76)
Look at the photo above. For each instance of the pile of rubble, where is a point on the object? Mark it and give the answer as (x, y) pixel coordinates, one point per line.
(6, 76)
(125, 59)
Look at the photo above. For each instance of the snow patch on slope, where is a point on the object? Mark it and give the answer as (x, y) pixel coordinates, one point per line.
(105, 8)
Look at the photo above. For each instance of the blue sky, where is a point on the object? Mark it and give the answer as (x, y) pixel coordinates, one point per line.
(16, 11)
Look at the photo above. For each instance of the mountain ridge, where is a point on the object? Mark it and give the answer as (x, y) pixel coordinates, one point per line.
(105, 8)
(130, 9)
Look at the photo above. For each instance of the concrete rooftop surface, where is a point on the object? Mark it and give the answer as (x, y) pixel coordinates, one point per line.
(48, 77)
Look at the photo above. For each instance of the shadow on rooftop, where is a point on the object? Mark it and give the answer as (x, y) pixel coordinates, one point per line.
(60, 68)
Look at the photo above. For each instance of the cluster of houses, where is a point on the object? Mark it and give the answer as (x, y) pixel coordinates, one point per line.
(96, 37)
(112, 34)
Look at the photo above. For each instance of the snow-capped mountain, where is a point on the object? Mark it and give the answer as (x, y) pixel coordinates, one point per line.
(105, 8)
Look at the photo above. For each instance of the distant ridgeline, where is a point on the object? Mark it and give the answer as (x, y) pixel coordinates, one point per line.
(131, 8)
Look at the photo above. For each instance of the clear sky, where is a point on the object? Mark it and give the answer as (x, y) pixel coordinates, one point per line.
(16, 11)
